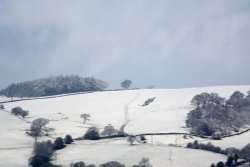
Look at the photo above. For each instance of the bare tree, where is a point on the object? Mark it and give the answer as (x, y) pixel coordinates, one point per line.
(37, 127)
(85, 117)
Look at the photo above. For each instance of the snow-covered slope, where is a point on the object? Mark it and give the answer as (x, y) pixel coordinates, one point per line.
(167, 113)
(160, 156)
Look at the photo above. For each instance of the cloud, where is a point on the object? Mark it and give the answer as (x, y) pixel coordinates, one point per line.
(165, 43)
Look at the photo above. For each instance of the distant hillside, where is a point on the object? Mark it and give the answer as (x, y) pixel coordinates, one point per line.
(53, 86)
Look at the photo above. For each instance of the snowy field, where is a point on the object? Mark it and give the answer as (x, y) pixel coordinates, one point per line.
(167, 113)
(119, 150)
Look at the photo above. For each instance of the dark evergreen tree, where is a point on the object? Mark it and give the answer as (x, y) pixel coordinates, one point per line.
(212, 165)
(42, 154)
(236, 157)
(58, 143)
(196, 145)
(220, 164)
(68, 139)
(230, 161)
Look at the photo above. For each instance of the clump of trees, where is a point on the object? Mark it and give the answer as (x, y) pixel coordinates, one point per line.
(208, 147)
(20, 111)
(233, 154)
(215, 115)
(232, 161)
(126, 83)
(54, 86)
(143, 163)
(43, 151)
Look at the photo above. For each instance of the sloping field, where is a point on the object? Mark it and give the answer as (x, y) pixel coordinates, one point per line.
(167, 113)
(119, 150)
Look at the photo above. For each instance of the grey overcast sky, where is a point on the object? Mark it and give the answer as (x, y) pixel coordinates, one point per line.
(166, 43)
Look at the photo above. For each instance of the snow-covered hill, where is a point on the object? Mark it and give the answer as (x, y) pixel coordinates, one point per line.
(167, 113)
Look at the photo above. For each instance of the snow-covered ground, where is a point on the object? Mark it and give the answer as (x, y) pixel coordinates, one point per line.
(160, 156)
(167, 113)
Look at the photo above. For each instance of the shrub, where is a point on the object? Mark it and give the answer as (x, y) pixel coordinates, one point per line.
(24, 113)
(92, 134)
(112, 164)
(131, 139)
(78, 164)
(1, 106)
(19, 111)
(16, 110)
(220, 164)
(143, 139)
(68, 139)
(216, 135)
(230, 161)
(212, 165)
(143, 163)
(148, 101)
(91, 165)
